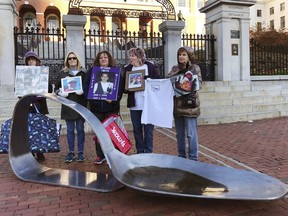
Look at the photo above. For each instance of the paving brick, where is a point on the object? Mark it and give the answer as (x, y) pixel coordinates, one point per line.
(261, 145)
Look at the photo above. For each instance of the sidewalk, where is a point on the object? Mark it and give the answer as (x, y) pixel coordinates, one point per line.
(261, 145)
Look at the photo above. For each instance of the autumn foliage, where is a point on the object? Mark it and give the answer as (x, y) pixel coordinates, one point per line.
(267, 37)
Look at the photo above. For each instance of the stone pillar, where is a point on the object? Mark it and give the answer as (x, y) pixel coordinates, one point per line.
(228, 20)
(8, 16)
(171, 31)
(74, 25)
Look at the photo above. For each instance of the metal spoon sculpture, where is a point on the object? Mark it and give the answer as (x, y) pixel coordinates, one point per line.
(158, 174)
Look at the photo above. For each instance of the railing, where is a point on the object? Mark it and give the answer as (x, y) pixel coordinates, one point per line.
(268, 60)
(119, 42)
(49, 44)
(203, 46)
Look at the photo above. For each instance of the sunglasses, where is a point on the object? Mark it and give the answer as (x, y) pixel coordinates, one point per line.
(70, 58)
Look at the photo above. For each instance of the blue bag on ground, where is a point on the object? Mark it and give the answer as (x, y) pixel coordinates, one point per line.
(43, 134)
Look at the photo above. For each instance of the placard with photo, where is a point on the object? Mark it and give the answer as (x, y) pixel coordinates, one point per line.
(104, 83)
(71, 84)
(135, 80)
(31, 79)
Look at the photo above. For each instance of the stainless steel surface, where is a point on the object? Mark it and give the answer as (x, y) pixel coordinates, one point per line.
(27, 168)
(149, 173)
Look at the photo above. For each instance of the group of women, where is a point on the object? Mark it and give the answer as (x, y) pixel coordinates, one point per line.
(185, 117)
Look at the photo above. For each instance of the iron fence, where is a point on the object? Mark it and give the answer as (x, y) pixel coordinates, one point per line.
(203, 46)
(49, 44)
(268, 60)
(119, 42)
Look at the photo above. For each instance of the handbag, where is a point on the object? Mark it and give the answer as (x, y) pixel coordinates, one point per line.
(43, 134)
(189, 100)
(115, 127)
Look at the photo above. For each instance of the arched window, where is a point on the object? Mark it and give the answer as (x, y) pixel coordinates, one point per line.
(95, 24)
(116, 24)
(52, 21)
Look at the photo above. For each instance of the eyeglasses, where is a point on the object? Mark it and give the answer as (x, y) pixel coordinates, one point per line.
(70, 58)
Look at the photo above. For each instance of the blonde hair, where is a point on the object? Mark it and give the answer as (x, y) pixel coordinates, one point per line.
(66, 64)
(139, 52)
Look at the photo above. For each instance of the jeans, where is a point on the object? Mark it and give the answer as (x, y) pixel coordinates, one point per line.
(144, 141)
(79, 123)
(188, 125)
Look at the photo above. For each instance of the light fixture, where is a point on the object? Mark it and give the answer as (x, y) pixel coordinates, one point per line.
(28, 20)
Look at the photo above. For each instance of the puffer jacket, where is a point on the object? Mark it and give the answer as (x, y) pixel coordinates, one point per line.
(66, 112)
(179, 109)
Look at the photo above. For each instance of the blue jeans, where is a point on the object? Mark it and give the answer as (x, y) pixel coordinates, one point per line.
(188, 125)
(144, 141)
(79, 123)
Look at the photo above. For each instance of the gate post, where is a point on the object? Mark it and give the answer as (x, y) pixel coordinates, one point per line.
(7, 56)
(229, 22)
(171, 31)
(74, 25)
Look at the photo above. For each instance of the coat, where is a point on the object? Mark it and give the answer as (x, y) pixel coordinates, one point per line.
(179, 108)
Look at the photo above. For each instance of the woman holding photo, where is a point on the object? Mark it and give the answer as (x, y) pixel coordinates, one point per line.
(72, 68)
(39, 103)
(102, 108)
(143, 133)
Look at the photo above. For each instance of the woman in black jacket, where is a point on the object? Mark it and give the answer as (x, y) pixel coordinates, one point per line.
(102, 108)
(72, 68)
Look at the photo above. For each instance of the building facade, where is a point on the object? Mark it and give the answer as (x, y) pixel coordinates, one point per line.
(269, 14)
(114, 15)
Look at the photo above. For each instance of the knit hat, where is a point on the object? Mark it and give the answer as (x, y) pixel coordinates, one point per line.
(190, 52)
(30, 54)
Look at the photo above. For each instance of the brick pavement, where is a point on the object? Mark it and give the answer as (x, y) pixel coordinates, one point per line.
(261, 145)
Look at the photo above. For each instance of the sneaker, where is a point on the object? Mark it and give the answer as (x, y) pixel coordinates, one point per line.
(70, 157)
(40, 157)
(99, 160)
(80, 157)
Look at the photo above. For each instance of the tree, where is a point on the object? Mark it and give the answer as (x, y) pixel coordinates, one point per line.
(268, 37)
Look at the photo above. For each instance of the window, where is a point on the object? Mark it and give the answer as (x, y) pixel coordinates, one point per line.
(116, 24)
(52, 21)
(271, 10)
(272, 25)
(259, 26)
(200, 4)
(95, 24)
(282, 6)
(259, 13)
(282, 22)
(181, 3)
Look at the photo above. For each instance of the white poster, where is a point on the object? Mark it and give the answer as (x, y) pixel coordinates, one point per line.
(31, 79)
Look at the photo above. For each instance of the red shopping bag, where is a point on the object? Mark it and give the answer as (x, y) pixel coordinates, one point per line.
(117, 132)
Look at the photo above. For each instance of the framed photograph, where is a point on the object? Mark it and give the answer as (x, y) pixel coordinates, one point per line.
(71, 84)
(134, 80)
(185, 83)
(31, 79)
(104, 83)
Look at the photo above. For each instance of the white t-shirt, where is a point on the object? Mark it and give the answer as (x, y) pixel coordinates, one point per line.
(139, 95)
(158, 103)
